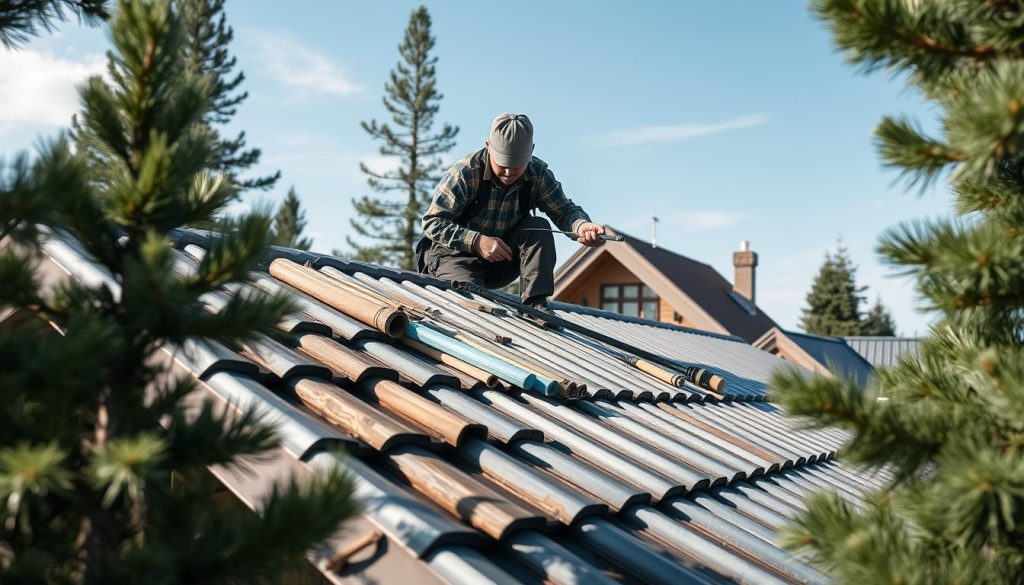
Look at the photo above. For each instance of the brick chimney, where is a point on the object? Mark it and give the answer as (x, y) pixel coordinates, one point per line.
(745, 262)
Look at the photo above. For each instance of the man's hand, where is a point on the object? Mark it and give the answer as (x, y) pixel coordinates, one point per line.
(588, 233)
(492, 249)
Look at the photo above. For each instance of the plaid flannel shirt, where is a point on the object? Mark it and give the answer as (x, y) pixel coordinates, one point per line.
(458, 188)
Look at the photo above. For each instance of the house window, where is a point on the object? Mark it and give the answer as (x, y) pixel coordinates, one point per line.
(634, 300)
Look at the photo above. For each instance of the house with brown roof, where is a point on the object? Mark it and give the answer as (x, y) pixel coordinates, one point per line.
(639, 279)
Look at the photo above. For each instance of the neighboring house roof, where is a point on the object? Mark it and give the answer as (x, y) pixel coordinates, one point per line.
(884, 351)
(693, 288)
(638, 481)
(820, 354)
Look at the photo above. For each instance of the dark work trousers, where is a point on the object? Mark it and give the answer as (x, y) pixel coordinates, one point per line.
(533, 260)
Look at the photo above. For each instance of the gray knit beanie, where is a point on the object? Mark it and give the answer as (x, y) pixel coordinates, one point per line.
(511, 140)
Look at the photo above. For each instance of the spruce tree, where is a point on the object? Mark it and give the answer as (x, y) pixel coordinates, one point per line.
(206, 48)
(878, 321)
(951, 429)
(833, 303)
(413, 101)
(22, 19)
(93, 428)
(289, 221)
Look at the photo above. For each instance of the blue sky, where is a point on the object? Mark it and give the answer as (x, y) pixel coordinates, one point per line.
(731, 120)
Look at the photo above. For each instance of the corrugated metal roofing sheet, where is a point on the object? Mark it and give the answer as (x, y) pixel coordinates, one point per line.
(884, 351)
(637, 481)
(834, 354)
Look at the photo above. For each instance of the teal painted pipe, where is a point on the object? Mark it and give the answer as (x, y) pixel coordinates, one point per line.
(545, 386)
(512, 374)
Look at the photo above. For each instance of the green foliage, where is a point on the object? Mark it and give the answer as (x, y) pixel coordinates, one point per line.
(833, 303)
(289, 222)
(878, 321)
(950, 425)
(22, 19)
(207, 36)
(412, 100)
(94, 427)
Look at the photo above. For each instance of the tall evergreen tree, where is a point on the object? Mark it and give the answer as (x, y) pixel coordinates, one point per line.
(22, 19)
(92, 427)
(878, 321)
(833, 303)
(289, 221)
(208, 36)
(412, 100)
(951, 429)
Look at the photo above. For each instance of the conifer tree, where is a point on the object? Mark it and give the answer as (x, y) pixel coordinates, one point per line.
(833, 303)
(206, 48)
(22, 19)
(951, 427)
(289, 221)
(92, 428)
(878, 321)
(413, 101)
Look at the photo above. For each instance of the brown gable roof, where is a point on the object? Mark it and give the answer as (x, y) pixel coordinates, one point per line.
(703, 284)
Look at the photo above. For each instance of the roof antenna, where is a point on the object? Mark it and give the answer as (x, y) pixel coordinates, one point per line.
(654, 239)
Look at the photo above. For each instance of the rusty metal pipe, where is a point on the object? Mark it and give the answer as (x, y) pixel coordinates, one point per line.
(380, 316)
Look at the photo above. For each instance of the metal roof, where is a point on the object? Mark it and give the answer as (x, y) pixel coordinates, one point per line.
(637, 481)
(884, 351)
(833, 353)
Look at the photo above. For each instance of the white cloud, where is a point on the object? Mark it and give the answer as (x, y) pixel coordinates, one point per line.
(640, 135)
(298, 65)
(39, 88)
(381, 164)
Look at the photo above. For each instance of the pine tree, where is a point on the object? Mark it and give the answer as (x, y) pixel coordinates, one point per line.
(951, 429)
(833, 303)
(412, 100)
(878, 321)
(289, 222)
(206, 50)
(22, 19)
(92, 428)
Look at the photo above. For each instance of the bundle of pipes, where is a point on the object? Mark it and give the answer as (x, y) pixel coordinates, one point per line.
(695, 375)
(407, 303)
(489, 379)
(651, 363)
(368, 309)
(567, 387)
(509, 372)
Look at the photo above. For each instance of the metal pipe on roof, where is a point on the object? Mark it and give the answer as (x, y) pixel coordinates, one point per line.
(553, 562)
(742, 540)
(637, 558)
(698, 546)
(443, 424)
(488, 379)
(539, 346)
(342, 325)
(605, 412)
(712, 450)
(610, 490)
(500, 428)
(460, 494)
(508, 372)
(603, 457)
(382, 317)
(687, 477)
(701, 434)
(554, 499)
(460, 565)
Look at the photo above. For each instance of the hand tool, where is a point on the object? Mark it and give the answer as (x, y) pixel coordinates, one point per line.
(576, 236)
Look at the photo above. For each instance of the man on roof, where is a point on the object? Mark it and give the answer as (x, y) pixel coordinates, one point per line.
(480, 227)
